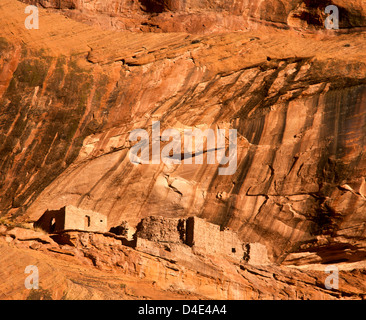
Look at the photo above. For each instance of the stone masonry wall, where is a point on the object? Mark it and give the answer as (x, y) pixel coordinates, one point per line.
(202, 236)
(161, 229)
(51, 221)
(208, 237)
(86, 220)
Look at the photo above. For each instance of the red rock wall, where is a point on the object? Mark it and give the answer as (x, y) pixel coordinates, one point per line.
(207, 16)
(69, 102)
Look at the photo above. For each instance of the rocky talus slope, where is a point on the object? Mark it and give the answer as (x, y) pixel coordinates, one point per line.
(71, 92)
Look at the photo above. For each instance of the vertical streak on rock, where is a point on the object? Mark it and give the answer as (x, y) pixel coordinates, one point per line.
(8, 70)
(85, 113)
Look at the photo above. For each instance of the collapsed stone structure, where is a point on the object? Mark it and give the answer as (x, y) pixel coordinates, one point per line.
(200, 235)
(156, 235)
(72, 218)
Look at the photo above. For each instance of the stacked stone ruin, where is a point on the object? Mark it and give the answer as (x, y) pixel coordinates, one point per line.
(155, 234)
(198, 234)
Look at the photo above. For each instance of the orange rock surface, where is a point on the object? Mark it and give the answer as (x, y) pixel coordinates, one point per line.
(71, 92)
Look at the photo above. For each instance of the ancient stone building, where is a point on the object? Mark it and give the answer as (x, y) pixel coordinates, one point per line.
(160, 229)
(72, 218)
(200, 235)
(208, 237)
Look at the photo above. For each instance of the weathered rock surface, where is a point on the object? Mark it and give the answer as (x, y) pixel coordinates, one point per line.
(97, 266)
(208, 16)
(161, 229)
(22, 234)
(70, 94)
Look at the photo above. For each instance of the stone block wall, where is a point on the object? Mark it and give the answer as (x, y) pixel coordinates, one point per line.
(86, 220)
(208, 237)
(231, 245)
(202, 236)
(256, 254)
(161, 229)
(72, 218)
(51, 221)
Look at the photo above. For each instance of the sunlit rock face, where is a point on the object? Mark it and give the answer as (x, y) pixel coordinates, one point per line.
(71, 94)
(208, 16)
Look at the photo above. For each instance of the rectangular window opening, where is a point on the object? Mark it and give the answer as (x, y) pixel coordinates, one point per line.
(87, 221)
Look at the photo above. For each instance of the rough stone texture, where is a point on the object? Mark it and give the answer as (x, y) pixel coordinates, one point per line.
(207, 16)
(204, 237)
(124, 229)
(160, 229)
(296, 100)
(256, 254)
(22, 234)
(51, 221)
(71, 93)
(208, 238)
(100, 267)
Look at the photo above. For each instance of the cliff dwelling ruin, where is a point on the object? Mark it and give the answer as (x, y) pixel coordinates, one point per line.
(71, 218)
(157, 235)
(201, 236)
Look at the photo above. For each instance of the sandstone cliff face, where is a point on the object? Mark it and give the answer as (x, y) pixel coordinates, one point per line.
(97, 266)
(70, 94)
(207, 16)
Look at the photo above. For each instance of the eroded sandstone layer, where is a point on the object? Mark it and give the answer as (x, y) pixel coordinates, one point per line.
(197, 16)
(71, 93)
(84, 265)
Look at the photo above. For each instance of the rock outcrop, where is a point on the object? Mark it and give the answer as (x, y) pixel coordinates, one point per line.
(71, 93)
(296, 102)
(100, 266)
(208, 16)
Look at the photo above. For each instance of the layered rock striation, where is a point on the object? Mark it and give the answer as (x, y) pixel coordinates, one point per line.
(207, 16)
(85, 265)
(70, 94)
